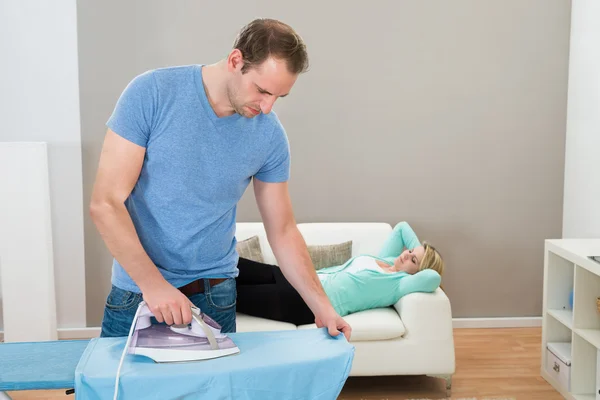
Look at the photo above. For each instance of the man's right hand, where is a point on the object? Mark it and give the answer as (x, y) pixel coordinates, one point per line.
(120, 164)
(168, 304)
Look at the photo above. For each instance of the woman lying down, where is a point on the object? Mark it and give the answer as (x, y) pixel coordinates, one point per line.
(364, 282)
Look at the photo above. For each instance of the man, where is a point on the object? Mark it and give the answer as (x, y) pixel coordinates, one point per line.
(182, 145)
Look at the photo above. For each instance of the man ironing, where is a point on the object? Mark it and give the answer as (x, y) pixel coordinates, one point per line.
(183, 144)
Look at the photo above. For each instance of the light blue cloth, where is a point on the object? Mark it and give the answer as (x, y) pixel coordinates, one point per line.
(298, 364)
(196, 168)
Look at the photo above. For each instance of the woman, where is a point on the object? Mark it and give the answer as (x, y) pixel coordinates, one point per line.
(364, 282)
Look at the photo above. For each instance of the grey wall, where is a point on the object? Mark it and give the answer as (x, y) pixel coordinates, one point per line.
(450, 115)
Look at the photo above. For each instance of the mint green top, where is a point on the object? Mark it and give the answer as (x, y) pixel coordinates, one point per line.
(350, 292)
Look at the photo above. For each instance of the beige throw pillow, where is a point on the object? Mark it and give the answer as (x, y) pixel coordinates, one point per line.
(324, 256)
(250, 249)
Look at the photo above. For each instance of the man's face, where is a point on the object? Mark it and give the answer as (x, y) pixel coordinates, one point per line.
(257, 89)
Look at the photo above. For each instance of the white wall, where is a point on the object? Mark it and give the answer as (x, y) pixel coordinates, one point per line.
(581, 214)
(39, 101)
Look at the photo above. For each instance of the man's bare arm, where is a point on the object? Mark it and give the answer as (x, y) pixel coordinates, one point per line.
(292, 255)
(118, 170)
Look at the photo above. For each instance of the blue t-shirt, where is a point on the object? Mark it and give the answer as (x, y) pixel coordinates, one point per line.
(196, 168)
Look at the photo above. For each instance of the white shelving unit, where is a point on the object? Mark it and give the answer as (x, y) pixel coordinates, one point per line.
(567, 267)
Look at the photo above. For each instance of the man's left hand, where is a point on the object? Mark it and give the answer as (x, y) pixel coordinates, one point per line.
(335, 324)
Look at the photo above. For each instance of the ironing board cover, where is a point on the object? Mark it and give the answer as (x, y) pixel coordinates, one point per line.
(39, 365)
(299, 364)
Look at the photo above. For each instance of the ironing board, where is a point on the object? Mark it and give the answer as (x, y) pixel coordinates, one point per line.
(39, 365)
(296, 364)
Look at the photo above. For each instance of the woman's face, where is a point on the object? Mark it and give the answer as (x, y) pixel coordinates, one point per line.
(410, 260)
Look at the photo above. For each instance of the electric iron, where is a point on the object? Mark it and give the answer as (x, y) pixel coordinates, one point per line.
(176, 343)
(201, 340)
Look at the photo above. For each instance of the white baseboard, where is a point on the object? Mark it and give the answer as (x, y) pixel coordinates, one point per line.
(82, 333)
(71, 333)
(504, 322)
(507, 322)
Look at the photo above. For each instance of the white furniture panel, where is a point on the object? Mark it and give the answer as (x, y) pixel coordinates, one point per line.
(26, 255)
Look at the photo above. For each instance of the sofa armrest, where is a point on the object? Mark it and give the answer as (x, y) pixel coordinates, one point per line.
(427, 316)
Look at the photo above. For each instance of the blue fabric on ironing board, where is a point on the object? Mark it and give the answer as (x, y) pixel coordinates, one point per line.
(298, 364)
(39, 365)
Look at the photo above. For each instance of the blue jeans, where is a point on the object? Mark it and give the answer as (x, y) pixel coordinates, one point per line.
(218, 302)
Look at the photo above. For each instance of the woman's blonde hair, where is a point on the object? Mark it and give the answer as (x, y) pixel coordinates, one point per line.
(432, 259)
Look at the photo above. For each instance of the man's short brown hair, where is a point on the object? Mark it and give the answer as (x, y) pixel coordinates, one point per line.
(264, 38)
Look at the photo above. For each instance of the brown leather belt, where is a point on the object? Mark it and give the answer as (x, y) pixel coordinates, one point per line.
(197, 286)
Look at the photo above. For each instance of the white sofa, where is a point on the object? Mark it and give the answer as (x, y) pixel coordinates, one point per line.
(414, 337)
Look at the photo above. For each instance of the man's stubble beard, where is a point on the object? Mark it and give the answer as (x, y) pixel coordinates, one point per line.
(232, 98)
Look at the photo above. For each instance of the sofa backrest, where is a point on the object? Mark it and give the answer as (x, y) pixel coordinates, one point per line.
(367, 237)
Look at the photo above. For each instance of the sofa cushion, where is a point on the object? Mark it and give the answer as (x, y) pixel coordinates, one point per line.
(245, 230)
(366, 237)
(369, 325)
(329, 255)
(250, 249)
(247, 323)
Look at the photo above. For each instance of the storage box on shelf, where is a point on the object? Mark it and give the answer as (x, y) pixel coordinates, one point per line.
(558, 362)
(571, 325)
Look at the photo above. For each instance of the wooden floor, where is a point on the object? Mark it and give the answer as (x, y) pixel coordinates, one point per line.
(491, 364)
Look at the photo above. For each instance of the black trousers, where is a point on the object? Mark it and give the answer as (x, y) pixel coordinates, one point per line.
(263, 291)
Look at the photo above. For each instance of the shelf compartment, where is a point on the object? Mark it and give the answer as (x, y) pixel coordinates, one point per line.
(583, 367)
(560, 279)
(592, 336)
(587, 290)
(565, 317)
(556, 331)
